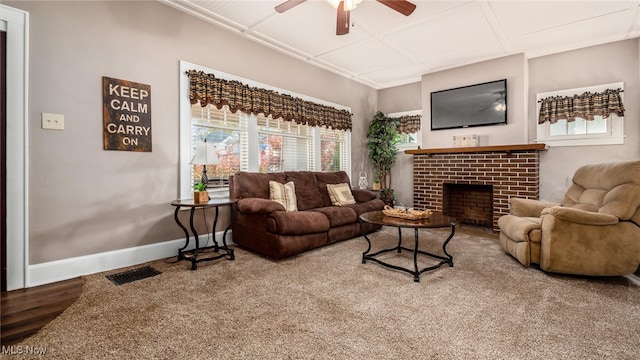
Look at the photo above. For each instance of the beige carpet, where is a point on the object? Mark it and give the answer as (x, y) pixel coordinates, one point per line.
(325, 304)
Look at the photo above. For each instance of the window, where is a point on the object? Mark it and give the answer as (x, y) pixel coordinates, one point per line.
(335, 150)
(408, 140)
(600, 131)
(248, 142)
(226, 130)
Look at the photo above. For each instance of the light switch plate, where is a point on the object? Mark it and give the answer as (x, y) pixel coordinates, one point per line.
(52, 121)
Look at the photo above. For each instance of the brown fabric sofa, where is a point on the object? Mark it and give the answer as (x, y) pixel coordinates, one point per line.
(263, 226)
(594, 231)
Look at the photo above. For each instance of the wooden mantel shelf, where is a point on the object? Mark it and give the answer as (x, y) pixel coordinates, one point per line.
(477, 149)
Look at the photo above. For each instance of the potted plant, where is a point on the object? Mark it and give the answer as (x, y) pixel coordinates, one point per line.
(376, 181)
(200, 195)
(382, 137)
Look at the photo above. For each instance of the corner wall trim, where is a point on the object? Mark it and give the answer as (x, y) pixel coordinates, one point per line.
(53, 271)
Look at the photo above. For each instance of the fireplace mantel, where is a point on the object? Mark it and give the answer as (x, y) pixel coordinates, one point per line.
(479, 149)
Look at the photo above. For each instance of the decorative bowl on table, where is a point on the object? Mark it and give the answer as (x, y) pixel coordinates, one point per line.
(406, 213)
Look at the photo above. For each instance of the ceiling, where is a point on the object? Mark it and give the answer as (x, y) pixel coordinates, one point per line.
(385, 49)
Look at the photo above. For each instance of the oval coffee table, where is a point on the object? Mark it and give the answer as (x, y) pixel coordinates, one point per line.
(436, 220)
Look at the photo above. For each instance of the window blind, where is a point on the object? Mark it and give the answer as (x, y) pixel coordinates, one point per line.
(284, 145)
(335, 149)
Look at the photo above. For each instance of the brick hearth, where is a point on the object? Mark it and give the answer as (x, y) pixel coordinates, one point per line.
(510, 170)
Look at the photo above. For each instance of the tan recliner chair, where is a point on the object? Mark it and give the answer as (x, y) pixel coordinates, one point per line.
(594, 231)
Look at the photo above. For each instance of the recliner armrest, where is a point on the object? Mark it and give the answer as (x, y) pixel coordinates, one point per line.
(528, 207)
(258, 206)
(580, 216)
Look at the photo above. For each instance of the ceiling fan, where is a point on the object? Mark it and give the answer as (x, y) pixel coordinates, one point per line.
(344, 9)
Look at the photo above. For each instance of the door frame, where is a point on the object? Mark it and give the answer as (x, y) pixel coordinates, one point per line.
(3, 154)
(16, 22)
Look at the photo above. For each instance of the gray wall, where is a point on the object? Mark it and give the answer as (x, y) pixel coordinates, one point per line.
(607, 63)
(398, 99)
(513, 68)
(84, 200)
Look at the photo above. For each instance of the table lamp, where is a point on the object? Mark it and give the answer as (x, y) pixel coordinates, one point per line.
(205, 155)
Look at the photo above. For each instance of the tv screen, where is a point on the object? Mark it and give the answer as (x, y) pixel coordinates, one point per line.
(467, 106)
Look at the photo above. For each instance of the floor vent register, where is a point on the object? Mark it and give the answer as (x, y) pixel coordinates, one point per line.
(133, 275)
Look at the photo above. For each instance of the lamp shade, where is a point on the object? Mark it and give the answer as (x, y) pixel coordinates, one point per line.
(205, 154)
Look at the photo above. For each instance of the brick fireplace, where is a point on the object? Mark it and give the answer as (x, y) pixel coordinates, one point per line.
(463, 182)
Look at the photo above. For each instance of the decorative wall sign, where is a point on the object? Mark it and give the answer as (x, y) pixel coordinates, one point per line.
(126, 115)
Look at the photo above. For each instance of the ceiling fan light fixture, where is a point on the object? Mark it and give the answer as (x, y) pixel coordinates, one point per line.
(348, 4)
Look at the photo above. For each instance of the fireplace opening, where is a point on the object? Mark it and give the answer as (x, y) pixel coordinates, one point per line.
(470, 204)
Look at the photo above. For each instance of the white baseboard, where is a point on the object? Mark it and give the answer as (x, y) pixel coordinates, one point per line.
(49, 272)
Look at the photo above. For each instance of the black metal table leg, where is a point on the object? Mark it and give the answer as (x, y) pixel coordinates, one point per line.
(194, 264)
(364, 254)
(186, 233)
(416, 274)
(436, 221)
(444, 246)
(229, 251)
(213, 231)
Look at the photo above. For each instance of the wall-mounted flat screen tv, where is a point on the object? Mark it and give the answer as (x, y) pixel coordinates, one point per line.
(467, 106)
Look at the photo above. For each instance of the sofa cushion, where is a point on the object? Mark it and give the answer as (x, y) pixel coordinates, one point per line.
(307, 190)
(254, 185)
(284, 194)
(611, 188)
(622, 201)
(325, 178)
(338, 215)
(297, 223)
(340, 194)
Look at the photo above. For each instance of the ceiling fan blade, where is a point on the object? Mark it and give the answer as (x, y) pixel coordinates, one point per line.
(404, 7)
(343, 21)
(288, 5)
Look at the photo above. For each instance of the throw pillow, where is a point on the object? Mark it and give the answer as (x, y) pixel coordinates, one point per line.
(285, 194)
(340, 194)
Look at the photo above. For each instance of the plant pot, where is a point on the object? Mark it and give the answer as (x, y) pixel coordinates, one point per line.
(201, 197)
(376, 186)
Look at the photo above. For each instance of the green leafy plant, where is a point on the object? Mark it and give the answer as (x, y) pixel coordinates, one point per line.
(388, 196)
(382, 138)
(200, 186)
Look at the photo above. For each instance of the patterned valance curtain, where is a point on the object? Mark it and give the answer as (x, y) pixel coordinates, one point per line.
(586, 106)
(407, 124)
(209, 90)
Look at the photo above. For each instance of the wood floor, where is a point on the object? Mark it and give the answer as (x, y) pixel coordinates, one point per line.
(25, 311)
